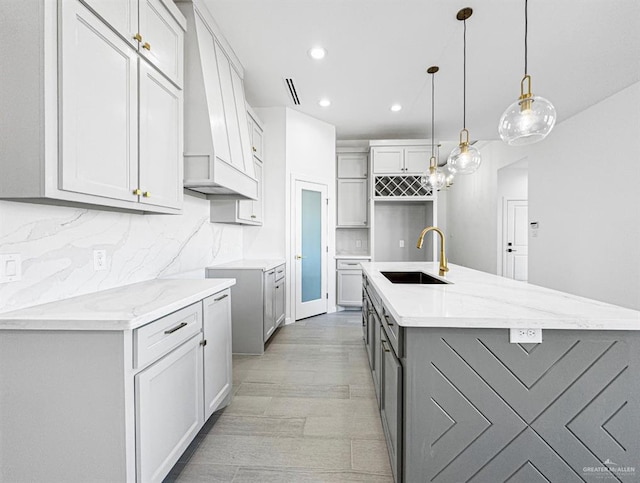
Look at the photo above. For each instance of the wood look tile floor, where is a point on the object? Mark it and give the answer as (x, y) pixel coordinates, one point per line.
(305, 411)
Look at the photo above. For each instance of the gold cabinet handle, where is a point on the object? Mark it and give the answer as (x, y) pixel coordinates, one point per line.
(146, 46)
(137, 37)
(137, 192)
(299, 257)
(254, 149)
(253, 216)
(146, 194)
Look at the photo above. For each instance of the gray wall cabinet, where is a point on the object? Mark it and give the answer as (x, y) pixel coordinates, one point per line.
(461, 404)
(258, 305)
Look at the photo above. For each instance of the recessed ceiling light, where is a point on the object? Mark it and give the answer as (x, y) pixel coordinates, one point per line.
(324, 102)
(317, 53)
(396, 107)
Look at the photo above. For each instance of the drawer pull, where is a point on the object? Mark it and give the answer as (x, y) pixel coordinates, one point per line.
(137, 37)
(384, 345)
(388, 320)
(220, 298)
(203, 342)
(351, 264)
(176, 328)
(271, 272)
(146, 46)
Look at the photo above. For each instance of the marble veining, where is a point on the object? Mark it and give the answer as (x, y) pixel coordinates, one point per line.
(479, 299)
(121, 308)
(57, 243)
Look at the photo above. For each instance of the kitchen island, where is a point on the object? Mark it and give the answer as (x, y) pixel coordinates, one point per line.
(460, 402)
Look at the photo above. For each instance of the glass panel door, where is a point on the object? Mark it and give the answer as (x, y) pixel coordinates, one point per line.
(310, 233)
(311, 245)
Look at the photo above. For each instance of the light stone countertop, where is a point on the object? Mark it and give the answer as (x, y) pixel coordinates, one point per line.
(263, 265)
(121, 308)
(477, 299)
(352, 257)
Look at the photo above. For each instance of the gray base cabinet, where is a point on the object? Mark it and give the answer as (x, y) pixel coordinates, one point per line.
(112, 405)
(257, 307)
(464, 404)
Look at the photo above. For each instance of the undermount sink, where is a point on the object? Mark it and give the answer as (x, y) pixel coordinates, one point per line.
(412, 277)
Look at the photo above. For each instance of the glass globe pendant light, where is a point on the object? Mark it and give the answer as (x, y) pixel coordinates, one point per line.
(436, 178)
(464, 159)
(531, 118)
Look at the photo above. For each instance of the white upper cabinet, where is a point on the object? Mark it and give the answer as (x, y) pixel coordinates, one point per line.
(98, 74)
(153, 27)
(387, 159)
(352, 202)
(162, 41)
(99, 125)
(218, 158)
(257, 136)
(352, 165)
(416, 159)
(121, 15)
(401, 159)
(160, 143)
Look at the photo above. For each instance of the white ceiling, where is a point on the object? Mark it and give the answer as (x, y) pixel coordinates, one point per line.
(580, 52)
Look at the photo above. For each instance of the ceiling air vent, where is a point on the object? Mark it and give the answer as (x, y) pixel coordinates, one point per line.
(291, 90)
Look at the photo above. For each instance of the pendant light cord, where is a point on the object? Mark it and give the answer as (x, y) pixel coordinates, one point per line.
(526, 28)
(464, 76)
(433, 76)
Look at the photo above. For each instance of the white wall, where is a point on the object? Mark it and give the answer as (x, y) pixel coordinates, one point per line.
(472, 204)
(311, 156)
(296, 146)
(583, 190)
(56, 244)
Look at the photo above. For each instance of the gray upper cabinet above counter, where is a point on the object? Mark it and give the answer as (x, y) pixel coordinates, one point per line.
(218, 158)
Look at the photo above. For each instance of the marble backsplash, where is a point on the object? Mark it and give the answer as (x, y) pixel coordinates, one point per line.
(57, 243)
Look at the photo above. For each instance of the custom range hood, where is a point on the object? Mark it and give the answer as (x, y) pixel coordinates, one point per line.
(217, 158)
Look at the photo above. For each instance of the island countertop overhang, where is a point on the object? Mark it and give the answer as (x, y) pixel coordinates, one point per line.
(475, 299)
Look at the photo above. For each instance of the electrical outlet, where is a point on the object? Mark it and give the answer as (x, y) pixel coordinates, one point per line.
(99, 260)
(525, 336)
(401, 243)
(10, 267)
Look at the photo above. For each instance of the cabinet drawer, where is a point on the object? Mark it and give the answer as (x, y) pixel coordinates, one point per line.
(153, 340)
(349, 265)
(394, 333)
(280, 271)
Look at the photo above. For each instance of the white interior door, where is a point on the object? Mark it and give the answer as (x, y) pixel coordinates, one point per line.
(310, 249)
(516, 240)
